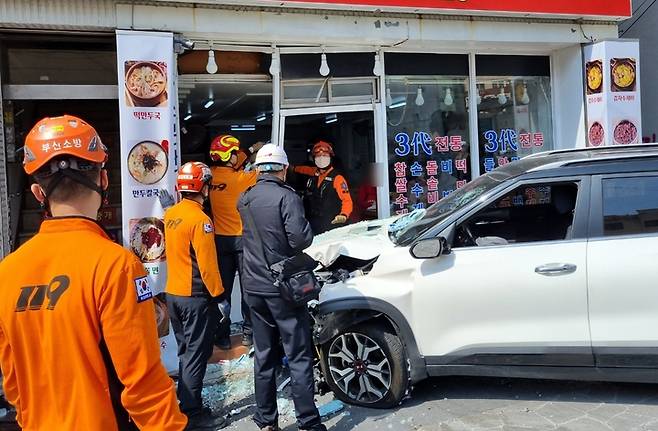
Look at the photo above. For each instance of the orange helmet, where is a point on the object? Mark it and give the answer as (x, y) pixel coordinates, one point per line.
(222, 146)
(192, 176)
(61, 136)
(322, 147)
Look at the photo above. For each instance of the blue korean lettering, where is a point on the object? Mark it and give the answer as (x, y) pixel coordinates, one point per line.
(417, 190)
(489, 164)
(403, 149)
(446, 166)
(422, 140)
(418, 206)
(491, 146)
(416, 169)
(445, 193)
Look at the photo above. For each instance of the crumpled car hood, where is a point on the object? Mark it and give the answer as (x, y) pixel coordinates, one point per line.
(364, 240)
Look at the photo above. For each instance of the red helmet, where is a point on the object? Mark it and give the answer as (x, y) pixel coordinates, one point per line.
(61, 136)
(322, 147)
(192, 176)
(222, 146)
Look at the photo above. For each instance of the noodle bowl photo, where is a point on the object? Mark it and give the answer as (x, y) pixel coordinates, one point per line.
(146, 83)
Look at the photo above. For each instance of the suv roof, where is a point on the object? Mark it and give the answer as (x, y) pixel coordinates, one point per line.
(552, 159)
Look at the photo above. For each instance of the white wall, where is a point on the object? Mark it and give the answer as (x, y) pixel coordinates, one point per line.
(568, 99)
(645, 28)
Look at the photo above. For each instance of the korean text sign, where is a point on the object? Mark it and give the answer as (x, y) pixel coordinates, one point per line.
(149, 160)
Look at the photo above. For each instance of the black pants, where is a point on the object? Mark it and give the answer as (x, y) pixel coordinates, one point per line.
(274, 318)
(193, 320)
(229, 253)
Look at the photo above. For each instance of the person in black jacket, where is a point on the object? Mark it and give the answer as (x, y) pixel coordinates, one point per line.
(274, 209)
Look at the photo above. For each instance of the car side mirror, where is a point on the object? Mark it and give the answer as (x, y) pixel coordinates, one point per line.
(430, 248)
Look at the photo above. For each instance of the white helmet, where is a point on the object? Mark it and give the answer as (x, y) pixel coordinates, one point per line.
(271, 154)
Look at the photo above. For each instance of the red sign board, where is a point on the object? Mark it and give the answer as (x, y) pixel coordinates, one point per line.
(579, 8)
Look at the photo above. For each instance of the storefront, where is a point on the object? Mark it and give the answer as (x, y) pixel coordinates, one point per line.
(418, 97)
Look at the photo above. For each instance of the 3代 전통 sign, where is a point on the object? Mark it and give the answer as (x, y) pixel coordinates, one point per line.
(572, 8)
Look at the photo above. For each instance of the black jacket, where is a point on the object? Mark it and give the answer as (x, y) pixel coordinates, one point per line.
(279, 216)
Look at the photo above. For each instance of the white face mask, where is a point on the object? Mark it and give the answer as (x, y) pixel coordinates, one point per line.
(322, 161)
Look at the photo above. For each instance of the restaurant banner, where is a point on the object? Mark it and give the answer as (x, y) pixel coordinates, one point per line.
(580, 8)
(612, 87)
(149, 160)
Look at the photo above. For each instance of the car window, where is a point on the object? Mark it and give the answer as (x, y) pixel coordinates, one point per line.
(630, 206)
(530, 213)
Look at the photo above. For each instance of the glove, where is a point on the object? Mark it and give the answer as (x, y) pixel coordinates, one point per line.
(224, 312)
(339, 219)
(166, 199)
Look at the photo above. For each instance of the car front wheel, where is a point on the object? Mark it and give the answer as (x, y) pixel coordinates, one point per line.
(366, 366)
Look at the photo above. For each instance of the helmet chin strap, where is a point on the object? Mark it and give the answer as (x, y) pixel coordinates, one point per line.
(78, 178)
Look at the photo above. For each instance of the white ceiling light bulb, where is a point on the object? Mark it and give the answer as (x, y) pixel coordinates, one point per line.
(448, 100)
(275, 66)
(376, 68)
(502, 98)
(211, 66)
(324, 66)
(389, 98)
(525, 99)
(420, 100)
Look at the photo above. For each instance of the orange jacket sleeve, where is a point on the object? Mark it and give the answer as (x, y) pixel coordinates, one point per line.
(343, 191)
(305, 170)
(203, 243)
(9, 376)
(128, 327)
(247, 179)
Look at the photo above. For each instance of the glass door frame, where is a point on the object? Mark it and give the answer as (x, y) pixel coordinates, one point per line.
(381, 155)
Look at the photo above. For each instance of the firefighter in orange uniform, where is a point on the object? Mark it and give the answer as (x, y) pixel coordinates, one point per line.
(193, 285)
(78, 339)
(327, 199)
(229, 181)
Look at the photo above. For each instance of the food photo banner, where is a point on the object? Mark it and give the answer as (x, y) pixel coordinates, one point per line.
(612, 93)
(149, 161)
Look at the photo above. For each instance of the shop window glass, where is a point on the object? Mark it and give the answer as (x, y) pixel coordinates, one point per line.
(428, 135)
(514, 108)
(630, 206)
(531, 213)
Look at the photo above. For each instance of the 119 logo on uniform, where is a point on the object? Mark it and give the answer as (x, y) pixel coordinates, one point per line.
(33, 297)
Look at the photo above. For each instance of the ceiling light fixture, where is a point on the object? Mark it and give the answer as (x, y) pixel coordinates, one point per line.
(448, 100)
(275, 65)
(526, 98)
(420, 100)
(331, 118)
(209, 103)
(188, 116)
(502, 98)
(324, 66)
(243, 128)
(211, 66)
(261, 117)
(376, 69)
(399, 104)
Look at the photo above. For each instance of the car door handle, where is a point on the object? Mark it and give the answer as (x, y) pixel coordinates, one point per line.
(552, 269)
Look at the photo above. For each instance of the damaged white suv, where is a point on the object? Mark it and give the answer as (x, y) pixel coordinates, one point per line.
(545, 268)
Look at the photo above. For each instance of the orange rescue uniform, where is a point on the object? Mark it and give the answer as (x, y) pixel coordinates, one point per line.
(192, 268)
(78, 337)
(339, 184)
(225, 190)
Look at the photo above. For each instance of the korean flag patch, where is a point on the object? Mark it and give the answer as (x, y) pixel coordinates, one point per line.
(143, 288)
(207, 228)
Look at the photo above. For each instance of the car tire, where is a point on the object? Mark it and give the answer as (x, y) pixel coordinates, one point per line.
(381, 380)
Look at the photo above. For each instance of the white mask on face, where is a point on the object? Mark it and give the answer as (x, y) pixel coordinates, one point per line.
(322, 161)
